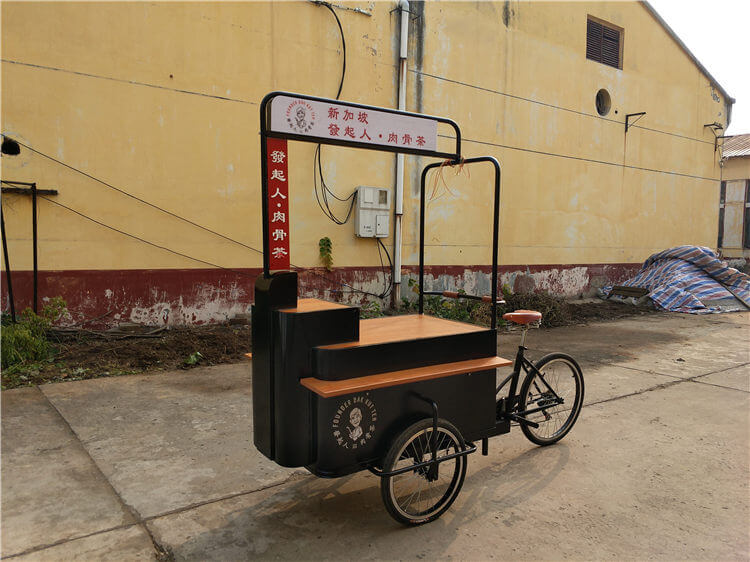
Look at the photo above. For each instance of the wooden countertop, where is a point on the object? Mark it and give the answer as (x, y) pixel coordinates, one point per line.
(402, 328)
(327, 389)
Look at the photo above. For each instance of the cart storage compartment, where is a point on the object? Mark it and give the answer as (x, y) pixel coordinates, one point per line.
(354, 431)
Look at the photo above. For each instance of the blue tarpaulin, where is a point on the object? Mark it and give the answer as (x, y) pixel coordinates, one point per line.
(691, 279)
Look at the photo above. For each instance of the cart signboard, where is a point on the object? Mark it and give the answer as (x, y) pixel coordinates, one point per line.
(344, 123)
(277, 168)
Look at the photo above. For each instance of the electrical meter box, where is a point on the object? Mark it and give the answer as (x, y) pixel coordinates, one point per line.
(372, 214)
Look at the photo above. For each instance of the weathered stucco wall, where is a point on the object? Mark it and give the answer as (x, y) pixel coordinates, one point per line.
(161, 100)
(736, 169)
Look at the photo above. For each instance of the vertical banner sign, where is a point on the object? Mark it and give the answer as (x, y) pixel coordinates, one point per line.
(278, 204)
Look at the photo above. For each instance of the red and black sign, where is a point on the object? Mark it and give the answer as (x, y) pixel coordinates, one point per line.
(278, 203)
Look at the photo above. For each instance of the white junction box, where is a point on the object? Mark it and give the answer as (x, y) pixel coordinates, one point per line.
(372, 217)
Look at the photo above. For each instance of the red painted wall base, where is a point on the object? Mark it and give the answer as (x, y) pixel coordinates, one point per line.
(197, 296)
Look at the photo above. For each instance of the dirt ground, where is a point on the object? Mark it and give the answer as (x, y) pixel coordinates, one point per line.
(86, 354)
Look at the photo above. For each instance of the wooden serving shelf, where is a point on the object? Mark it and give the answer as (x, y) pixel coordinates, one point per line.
(328, 389)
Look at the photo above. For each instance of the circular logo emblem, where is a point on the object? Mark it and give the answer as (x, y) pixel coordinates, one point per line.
(300, 116)
(354, 422)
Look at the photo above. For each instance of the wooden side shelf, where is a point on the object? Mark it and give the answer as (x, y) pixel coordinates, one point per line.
(327, 389)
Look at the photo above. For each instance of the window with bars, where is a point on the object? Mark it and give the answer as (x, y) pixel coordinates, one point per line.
(603, 43)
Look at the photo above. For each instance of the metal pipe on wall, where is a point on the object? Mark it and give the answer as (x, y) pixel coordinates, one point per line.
(7, 269)
(34, 244)
(398, 205)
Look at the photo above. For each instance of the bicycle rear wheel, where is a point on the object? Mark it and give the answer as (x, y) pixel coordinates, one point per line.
(559, 376)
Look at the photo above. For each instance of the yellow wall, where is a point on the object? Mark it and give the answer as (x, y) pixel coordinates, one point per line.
(130, 93)
(736, 168)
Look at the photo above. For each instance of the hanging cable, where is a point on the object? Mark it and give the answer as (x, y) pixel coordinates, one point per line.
(154, 244)
(322, 191)
(552, 106)
(389, 287)
(122, 191)
(581, 159)
(343, 45)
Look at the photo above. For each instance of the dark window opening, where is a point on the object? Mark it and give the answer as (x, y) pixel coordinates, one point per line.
(603, 102)
(10, 147)
(603, 43)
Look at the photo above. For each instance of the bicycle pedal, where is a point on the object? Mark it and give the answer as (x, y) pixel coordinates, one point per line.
(519, 419)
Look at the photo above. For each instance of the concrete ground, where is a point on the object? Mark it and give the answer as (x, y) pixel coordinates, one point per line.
(162, 466)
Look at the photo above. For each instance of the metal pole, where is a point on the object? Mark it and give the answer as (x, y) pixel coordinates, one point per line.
(495, 237)
(7, 268)
(264, 186)
(34, 243)
(421, 236)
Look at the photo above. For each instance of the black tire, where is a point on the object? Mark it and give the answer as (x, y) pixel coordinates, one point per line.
(402, 494)
(563, 374)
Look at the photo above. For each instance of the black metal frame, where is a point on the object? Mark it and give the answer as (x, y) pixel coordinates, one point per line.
(512, 401)
(266, 133)
(7, 268)
(28, 189)
(495, 230)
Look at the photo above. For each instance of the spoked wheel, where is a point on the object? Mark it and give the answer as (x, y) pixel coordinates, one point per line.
(561, 378)
(422, 495)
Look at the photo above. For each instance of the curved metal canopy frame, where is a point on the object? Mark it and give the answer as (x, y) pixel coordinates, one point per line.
(450, 159)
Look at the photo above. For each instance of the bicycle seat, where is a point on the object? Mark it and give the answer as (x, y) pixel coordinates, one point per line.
(523, 316)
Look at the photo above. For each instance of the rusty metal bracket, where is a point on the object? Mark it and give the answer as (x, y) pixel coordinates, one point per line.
(714, 127)
(628, 123)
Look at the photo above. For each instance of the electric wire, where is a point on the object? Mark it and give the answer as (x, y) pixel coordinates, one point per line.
(131, 82)
(127, 194)
(198, 260)
(389, 288)
(145, 241)
(321, 198)
(582, 159)
(552, 106)
(154, 244)
(412, 70)
(325, 191)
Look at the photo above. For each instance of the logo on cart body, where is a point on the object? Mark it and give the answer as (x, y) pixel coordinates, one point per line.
(300, 116)
(354, 422)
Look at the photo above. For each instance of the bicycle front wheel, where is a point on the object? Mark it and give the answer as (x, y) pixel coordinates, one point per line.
(556, 393)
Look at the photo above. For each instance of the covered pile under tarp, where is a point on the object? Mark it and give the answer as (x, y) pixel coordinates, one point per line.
(691, 279)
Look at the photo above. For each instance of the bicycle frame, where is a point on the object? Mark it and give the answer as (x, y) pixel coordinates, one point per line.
(512, 400)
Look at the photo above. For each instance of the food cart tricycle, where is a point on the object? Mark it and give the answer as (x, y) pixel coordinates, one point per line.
(404, 397)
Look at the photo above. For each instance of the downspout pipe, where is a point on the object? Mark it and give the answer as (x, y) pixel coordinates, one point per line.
(403, 6)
